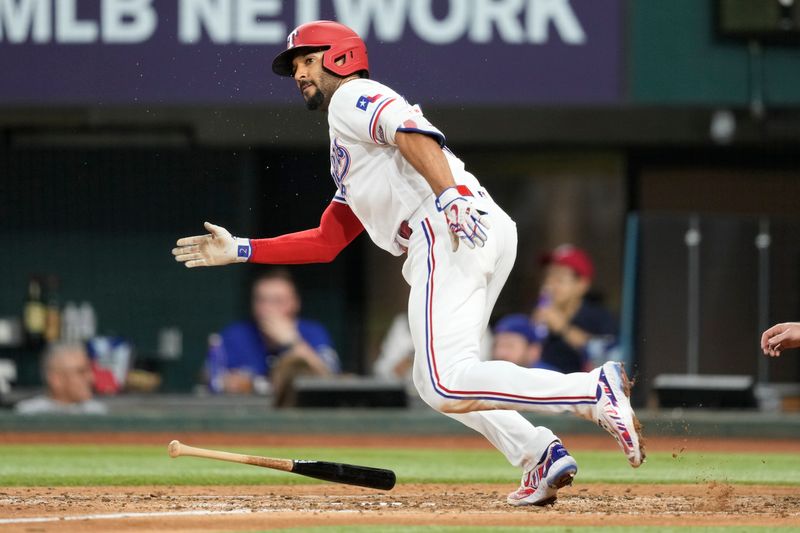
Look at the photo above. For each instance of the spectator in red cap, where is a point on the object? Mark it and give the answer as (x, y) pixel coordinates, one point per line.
(577, 333)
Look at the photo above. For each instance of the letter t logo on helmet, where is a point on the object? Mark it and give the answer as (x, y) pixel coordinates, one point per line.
(342, 45)
(290, 40)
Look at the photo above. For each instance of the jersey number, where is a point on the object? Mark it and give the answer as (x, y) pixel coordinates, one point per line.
(340, 165)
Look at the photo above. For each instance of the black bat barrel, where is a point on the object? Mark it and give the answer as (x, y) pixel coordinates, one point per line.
(363, 476)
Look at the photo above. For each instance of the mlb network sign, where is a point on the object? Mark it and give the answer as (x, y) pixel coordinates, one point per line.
(448, 52)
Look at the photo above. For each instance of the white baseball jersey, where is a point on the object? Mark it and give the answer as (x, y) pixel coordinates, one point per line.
(371, 175)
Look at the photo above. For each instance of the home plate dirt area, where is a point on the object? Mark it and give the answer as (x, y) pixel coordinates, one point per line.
(268, 507)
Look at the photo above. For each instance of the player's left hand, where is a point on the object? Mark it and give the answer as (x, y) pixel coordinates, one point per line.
(217, 248)
(464, 221)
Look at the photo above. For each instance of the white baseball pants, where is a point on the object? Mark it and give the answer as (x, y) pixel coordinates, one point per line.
(451, 300)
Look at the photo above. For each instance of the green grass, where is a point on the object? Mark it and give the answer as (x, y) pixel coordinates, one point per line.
(53, 465)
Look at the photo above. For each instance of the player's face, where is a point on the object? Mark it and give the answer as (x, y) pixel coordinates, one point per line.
(314, 83)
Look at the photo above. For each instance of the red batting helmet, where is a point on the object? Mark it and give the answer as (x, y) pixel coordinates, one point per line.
(340, 42)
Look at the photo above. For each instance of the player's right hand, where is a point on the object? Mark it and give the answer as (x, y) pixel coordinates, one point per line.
(217, 248)
(464, 221)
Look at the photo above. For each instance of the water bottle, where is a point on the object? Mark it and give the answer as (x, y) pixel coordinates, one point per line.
(71, 323)
(541, 329)
(87, 321)
(217, 363)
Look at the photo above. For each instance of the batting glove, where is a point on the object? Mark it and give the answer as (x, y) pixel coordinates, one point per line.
(464, 221)
(217, 248)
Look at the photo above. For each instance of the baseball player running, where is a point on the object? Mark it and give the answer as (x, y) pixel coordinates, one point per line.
(396, 179)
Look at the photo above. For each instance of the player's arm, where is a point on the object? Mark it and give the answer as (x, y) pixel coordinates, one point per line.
(426, 156)
(338, 227)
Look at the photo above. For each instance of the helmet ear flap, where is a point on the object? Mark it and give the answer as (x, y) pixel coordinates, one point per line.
(346, 59)
(341, 59)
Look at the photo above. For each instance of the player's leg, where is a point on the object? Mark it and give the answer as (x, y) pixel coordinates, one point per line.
(607, 403)
(449, 297)
(518, 440)
(545, 463)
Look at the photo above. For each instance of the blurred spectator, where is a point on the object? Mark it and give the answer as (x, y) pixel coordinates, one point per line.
(780, 337)
(396, 357)
(274, 344)
(578, 334)
(515, 341)
(67, 372)
(397, 351)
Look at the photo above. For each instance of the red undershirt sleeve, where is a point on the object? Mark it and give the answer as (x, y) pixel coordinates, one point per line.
(337, 228)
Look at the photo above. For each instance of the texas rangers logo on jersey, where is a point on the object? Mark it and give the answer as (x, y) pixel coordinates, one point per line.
(364, 101)
(340, 164)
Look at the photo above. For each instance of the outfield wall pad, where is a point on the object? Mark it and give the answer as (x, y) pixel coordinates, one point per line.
(749, 424)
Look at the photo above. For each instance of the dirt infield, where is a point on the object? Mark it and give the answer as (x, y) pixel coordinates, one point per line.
(271, 507)
(226, 508)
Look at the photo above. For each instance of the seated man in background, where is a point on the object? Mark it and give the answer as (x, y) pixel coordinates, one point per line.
(275, 343)
(578, 334)
(515, 341)
(67, 373)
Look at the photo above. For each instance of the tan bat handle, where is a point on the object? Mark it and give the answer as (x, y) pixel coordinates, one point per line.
(176, 449)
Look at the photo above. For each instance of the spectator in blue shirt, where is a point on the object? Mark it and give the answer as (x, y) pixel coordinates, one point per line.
(274, 338)
(578, 334)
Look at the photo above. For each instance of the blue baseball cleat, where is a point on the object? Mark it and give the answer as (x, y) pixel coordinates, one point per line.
(540, 484)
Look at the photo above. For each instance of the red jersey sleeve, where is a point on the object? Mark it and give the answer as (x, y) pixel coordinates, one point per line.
(337, 228)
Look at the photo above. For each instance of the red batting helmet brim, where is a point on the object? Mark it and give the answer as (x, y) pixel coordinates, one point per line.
(282, 64)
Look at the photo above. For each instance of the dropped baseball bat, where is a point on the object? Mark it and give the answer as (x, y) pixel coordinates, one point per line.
(363, 476)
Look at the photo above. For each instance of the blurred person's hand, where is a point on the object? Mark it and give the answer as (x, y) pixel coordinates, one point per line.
(780, 337)
(280, 329)
(217, 248)
(555, 320)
